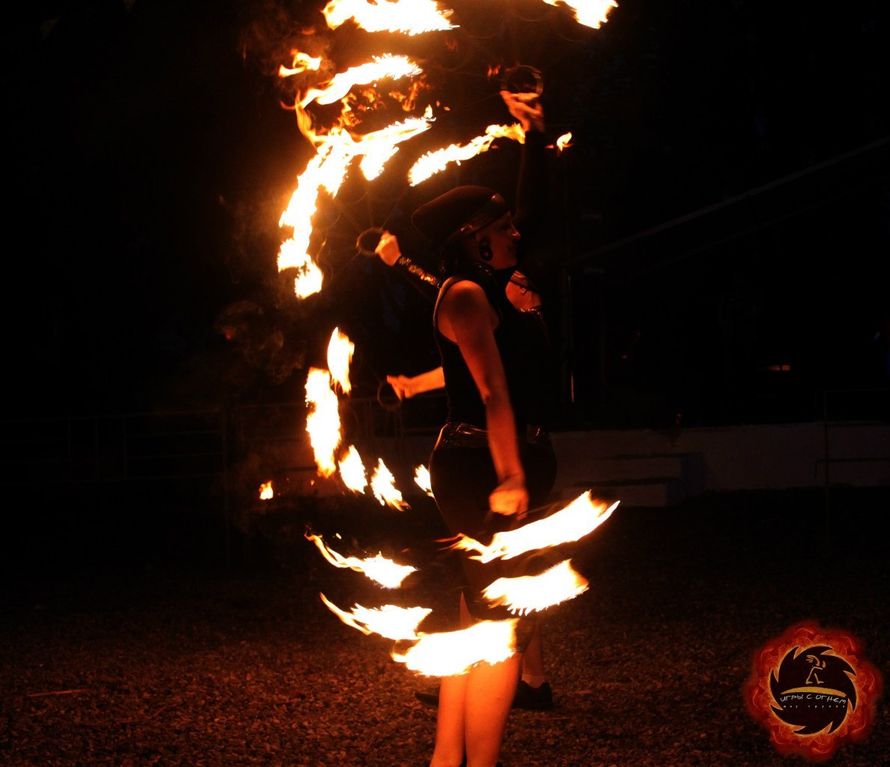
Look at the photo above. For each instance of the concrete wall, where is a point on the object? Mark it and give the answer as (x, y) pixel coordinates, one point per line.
(743, 457)
(720, 459)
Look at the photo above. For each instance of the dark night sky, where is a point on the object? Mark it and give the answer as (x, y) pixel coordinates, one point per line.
(148, 160)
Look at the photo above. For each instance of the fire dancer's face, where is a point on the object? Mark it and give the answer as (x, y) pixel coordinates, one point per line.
(499, 240)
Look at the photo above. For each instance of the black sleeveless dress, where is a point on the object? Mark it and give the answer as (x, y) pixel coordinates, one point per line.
(461, 468)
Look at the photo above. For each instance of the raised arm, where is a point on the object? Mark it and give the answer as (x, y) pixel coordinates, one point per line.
(527, 109)
(466, 317)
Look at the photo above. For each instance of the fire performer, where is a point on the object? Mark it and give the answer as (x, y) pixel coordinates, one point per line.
(493, 459)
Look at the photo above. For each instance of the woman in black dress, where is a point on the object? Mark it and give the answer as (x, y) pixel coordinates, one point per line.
(493, 460)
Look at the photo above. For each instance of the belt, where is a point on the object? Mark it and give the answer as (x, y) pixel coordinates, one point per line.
(467, 435)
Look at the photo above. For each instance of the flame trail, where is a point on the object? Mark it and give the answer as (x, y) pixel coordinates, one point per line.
(436, 161)
(530, 593)
(340, 351)
(379, 569)
(323, 420)
(300, 63)
(581, 517)
(411, 17)
(352, 471)
(452, 653)
(380, 146)
(590, 13)
(423, 481)
(325, 171)
(335, 151)
(389, 621)
(384, 488)
(381, 67)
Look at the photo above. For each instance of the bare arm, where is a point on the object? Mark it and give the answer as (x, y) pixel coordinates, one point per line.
(466, 317)
(409, 386)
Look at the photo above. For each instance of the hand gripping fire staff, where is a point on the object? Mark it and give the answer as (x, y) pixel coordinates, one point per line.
(368, 241)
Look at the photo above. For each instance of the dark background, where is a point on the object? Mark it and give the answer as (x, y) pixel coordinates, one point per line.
(719, 234)
(723, 223)
(148, 160)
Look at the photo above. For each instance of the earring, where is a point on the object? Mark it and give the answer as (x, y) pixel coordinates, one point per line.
(485, 252)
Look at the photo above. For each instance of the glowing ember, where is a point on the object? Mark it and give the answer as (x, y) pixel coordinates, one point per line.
(411, 17)
(379, 569)
(590, 13)
(301, 62)
(340, 351)
(452, 653)
(423, 481)
(389, 621)
(266, 491)
(530, 593)
(581, 517)
(564, 142)
(352, 471)
(382, 67)
(323, 420)
(384, 488)
(436, 161)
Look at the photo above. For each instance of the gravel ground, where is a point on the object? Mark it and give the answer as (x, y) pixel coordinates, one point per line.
(180, 665)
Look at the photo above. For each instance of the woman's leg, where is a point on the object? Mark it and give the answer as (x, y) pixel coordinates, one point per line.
(489, 694)
(450, 744)
(449, 749)
(533, 658)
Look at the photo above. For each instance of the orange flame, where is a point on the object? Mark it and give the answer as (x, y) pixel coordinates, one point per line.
(384, 488)
(335, 151)
(389, 621)
(379, 569)
(423, 481)
(436, 161)
(530, 593)
(300, 63)
(452, 653)
(352, 471)
(383, 67)
(380, 146)
(266, 491)
(340, 351)
(411, 17)
(564, 142)
(581, 517)
(325, 171)
(590, 13)
(323, 420)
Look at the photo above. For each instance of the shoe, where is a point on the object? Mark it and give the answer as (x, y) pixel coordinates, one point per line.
(430, 698)
(527, 697)
(533, 698)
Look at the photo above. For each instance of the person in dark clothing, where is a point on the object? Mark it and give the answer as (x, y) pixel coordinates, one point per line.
(493, 460)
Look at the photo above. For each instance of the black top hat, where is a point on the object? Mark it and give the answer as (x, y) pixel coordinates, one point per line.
(460, 211)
